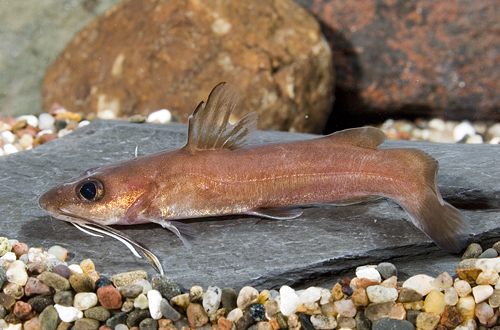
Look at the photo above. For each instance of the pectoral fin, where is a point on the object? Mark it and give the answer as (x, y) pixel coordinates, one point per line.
(277, 213)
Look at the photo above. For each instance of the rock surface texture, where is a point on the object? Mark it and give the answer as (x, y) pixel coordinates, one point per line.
(423, 58)
(143, 56)
(314, 249)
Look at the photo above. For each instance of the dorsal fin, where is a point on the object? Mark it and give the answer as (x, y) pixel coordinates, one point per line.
(367, 137)
(208, 126)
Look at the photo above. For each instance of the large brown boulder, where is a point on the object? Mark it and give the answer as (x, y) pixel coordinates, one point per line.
(417, 57)
(142, 56)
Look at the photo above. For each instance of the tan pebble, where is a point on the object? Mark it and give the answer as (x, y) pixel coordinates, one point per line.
(272, 307)
(293, 322)
(397, 312)
(443, 281)
(468, 274)
(221, 312)
(326, 296)
(264, 326)
(13, 290)
(127, 278)
(346, 322)
(337, 292)
(488, 277)
(377, 311)
(427, 321)
(359, 298)
(462, 288)
(484, 312)
(345, 307)
(181, 300)
(69, 115)
(329, 309)
(391, 282)
(420, 283)
(434, 302)
(32, 324)
(26, 141)
(309, 308)
(94, 275)
(87, 265)
(196, 294)
(414, 305)
(494, 300)
(409, 295)
(196, 315)
(235, 315)
(264, 296)
(224, 324)
(466, 306)
(247, 296)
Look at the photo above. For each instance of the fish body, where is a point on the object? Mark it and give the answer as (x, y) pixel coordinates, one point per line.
(214, 174)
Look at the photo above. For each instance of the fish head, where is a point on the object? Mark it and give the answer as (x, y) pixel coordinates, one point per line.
(103, 195)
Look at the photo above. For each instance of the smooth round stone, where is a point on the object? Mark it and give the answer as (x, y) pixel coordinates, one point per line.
(450, 296)
(53, 262)
(392, 324)
(136, 316)
(466, 306)
(488, 253)
(36, 287)
(258, 312)
(181, 301)
(19, 249)
(121, 327)
(23, 311)
(462, 288)
(434, 302)
(484, 312)
(443, 281)
(196, 315)
(68, 314)
(474, 250)
(137, 119)
(494, 299)
(97, 313)
(154, 302)
(248, 296)
(46, 121)
(17, 273)
(162, 116)
(362, 322)
(55, 280)
(48, 319)
(116, 319)
(104, 281)
(482, 292)
(39, 303)
(368, 272)
(228, 298)
(323, 322)
(109, 297)
(345, 307)
(75, 269)
(106, 114)
(85, 300)
(130, 291)
(127, 278)
(86, 324)
(59, 252)
(3, 312)
(310, 295)
(211, 299)
(420, 283)
(168, 312)
(62, 270)
(128, 305)
(146, 286)
(7, 138)
(381, 294)
(289, 301)
(387, 270)
(64, 298)
(377, 311)
(148, 324)
(489, 276)
(462, 130)
(141, 301)
(82, 282)
(235, 315)
(14, 290)
(166, 286)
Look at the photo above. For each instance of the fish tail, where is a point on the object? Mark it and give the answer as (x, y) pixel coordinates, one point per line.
(442, 222)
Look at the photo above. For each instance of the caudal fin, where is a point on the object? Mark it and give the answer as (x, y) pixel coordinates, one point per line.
(443, 223)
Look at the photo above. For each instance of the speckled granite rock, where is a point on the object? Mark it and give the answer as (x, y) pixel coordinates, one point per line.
(142, 56)
(314, 249)
(421, 58)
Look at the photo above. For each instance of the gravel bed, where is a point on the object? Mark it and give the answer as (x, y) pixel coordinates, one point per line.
(43, 290)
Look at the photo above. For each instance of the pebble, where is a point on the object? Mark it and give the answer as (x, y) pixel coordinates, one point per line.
(474, 250)
(130, 291)
(450, 296)
(136, 316)
(14, 290)
(310, 295)
(46, 121)
(82, 282)
(196, 315)
(359, 298)
(368, 272)
(54, 280)
(462, 288)
(451, 317)
(116, 319)
(19, 249)
(23, 311)
(86, 324)
(39, 303)
(466, 306)
(386, 270)
(345, 307)
(482, 292)
(168, 311)
(49, 318)
(35, 286)
(323, 322)
(494, 299)
(59, 252)
(85, 300)
(377, 311)
(434, 302)
(249, 295)
(228, 298)
(289, 300)
(162, 116)
(166, 286)
(427, 321)
(409, 295)
(489, 276)
(488, 253)
(392, 324)
(97, 313)
(127, 278)
(109, 297)
(154, 302)
(141, 301)
(484, 312)
(62, 270)
(258, 312)
(182, 301)
(101, 282)
(381, 294)
(64, 298)
(31, 324)
(443, 281)
(212, 299)
(420, 283)
(68, 314)
(146, 286)
(3, 277)
(148, 324)
(17, 273)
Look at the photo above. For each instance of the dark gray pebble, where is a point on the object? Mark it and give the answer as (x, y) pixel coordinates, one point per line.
(474, 250)
(86, 324)
(148, 324)
(166, 286)
(386, 270)
(282, 321)
(60, 124)
(258, 312)
(392, 324)
(362, 322)
(3, 311)
(62, 270)
(48, 318)
(411, 316)
(119, 318)
(39, 303)
(102, 282)
(244, 322)
(305, 320)
(136, 316)
(228, 298)
(131, 291)
(64, 298)
(98, 313)
(489, 253)
(3, 277)
(168, 311)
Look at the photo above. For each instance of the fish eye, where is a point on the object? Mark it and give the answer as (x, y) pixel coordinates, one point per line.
(90, 191)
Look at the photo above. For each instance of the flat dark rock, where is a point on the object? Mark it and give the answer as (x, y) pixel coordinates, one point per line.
(314, 249)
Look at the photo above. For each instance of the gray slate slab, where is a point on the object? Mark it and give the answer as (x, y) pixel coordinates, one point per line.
(314, 249)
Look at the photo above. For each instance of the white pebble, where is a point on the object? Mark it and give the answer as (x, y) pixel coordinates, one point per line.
(495, 140)
(106, 114)
(68, 314)
(46, 121)
(2, 153)
(474, 139)
(289, 300)
(381, 294)
(83, 123)
(3, 324)
(494, 130)
(450, 296)
(420, 283)
(484, 312)
(368, 272)
(211, 299)
(463, 129)
(462, 287)
(7, 137)
(45, 131)
(437, 124)
(310, 295)
(235, 315)
(162, 116)
(38, 254)
(154, 301)
(17, 273)
(75, 269)
(26, 141)
(482, 292)
(59, 252)
(11, 326)
(121, 326)
(63, 132)
(323, 322)
(85, 300)
(491, 263)
(9, 149)
(345, 307)
(141, 301)
(30, 120)
(443, 281)
(246, 297)
(146, 286)
(326, 296)
(9, 256)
